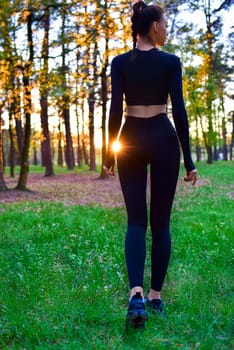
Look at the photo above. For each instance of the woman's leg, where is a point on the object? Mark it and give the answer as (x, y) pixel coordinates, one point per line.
(133, 179)
(164, 175)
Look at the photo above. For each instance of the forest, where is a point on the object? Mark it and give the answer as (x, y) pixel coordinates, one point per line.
(55, 91)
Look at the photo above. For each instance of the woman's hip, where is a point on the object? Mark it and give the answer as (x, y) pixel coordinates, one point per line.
(140, 133)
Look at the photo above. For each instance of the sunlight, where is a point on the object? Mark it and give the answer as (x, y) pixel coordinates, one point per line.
(116, 146)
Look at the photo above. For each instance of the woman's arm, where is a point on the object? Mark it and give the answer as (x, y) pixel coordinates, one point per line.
(116, 110)
(179, 112)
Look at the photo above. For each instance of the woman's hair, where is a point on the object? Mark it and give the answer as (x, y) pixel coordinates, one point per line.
(143, 16)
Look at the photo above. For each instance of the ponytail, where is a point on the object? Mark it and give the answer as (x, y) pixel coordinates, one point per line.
(137, 9)
(143, 16)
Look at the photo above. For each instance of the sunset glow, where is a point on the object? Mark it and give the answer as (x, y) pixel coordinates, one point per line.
(116, 146)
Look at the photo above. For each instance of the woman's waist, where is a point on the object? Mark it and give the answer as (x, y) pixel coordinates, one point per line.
(147, 111)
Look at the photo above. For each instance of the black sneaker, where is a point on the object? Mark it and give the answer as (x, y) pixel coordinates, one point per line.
(156, 306)
(136, 315)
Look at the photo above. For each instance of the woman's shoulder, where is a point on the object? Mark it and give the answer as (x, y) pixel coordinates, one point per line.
(122, 57)
(170, 56)
(171, 60)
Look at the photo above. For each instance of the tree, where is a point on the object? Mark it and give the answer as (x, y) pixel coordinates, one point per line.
(44, 82)
(91, 102)
(27, 73)
(3, 186)
(69, 152)
(213, 87)
(106, 25)
(7, 33)
(204, 83)
(232, 136)
(74, 44)
(79, 147)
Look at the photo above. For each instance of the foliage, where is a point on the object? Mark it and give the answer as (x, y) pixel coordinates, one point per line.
(70, 71)
(206, 62)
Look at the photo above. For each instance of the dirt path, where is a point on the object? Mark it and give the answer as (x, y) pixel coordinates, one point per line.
(70, 189)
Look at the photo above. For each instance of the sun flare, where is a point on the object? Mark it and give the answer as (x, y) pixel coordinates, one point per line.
(116, 146)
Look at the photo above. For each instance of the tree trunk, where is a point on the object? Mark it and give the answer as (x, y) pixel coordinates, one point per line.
(20, 136)
(224, 130)
(215, 153)
(91, 103)
(210, 93)
(69, 152)
(198, 153)
(45, 144)
(85, 152)
(232, 138)
(24, 170)
(103, 174)
(84, 149)
(60, 149)
(18, 121)
(3, 186)
(206, 141)
(198, 147)
(12, 146)
(35, 161)
(104, 87)
(92, 158)
(209, 154)
(79, 150)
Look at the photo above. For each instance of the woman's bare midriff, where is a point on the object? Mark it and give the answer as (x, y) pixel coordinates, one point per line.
(145, 111)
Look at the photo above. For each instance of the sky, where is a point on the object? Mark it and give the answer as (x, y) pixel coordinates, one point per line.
(198, 17)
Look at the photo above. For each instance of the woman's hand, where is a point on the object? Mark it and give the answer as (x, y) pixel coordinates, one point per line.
(109, 165)
(191, 176)
(109, 171)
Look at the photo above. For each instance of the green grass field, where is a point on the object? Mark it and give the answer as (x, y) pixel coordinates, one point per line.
(63, 282)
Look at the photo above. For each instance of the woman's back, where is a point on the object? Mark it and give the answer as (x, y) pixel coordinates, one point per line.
(146, 75)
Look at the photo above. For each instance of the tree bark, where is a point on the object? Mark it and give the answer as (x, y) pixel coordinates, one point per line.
(69, 152)
(215, 153)
(103, 174)
(198, 147)
(84, 148)
(45, 143)
(91, 104)
(35, 160)
(92, 158)
(12, 146)
(3, 186)
(18, 121)
(79, 149)
(209, 35)
(224, 131)
(60, 149)
(24, 169)
(232, 138)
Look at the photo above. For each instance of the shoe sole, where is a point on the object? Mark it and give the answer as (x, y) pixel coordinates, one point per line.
(136, 320)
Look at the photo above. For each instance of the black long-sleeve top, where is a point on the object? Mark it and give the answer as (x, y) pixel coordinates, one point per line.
(148, 78)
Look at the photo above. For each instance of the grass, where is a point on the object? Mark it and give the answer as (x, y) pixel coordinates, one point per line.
(63, 282)
(58, 170)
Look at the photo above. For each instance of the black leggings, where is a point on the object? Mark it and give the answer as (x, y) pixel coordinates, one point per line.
(148, 141)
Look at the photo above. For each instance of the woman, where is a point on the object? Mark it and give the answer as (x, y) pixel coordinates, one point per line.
(146, 76)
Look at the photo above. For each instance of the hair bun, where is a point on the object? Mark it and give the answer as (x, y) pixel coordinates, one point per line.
(136, 19)
(139, 6)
